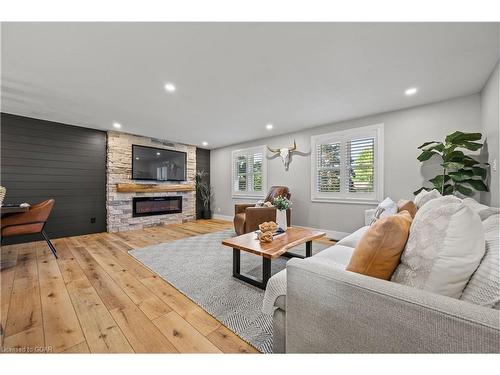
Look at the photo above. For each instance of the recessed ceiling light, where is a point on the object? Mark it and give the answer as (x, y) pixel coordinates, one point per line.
(117, 125)
(170, 87)
(137, 158)
(158, 154)
(269, 126)
(204, 143)
(411, 91)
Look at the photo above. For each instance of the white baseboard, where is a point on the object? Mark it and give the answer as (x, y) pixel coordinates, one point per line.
(222, 217)
(332, 234)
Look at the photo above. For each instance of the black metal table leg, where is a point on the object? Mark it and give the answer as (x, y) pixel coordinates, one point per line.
(266, 271)
(309, 250)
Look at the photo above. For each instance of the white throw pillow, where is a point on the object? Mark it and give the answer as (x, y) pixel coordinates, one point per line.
(425, 196)
(385, 208)
(484, 285)
(482, 210)
(445, 246)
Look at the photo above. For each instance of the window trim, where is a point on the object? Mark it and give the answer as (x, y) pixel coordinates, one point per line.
(250, 194)
(378, 129)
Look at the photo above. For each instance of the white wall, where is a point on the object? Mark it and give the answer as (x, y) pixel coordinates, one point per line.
(405, 130)
(490, 129)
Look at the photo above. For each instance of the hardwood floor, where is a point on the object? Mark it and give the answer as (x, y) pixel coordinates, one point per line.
(97, 299)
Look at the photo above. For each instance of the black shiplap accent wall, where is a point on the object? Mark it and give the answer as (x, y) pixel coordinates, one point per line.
(43, 159)
(202, 164)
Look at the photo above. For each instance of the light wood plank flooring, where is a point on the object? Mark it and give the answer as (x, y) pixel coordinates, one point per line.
(97, 299)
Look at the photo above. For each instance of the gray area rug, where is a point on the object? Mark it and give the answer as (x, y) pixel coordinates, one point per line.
(201, 268)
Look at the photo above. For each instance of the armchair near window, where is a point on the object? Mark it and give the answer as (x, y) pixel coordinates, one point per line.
(247, 217)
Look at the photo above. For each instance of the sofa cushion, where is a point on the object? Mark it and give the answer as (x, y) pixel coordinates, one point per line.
(445, 246)
(482, 210)
(484, 285)
(353, 239)
(425, 196)
(377, 253)
(337, 254)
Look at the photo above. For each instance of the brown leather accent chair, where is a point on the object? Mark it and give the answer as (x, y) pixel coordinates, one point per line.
(30, 222)
(247, 217)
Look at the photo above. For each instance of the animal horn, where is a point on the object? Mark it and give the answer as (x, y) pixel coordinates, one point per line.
(294, 146)
(275, 150)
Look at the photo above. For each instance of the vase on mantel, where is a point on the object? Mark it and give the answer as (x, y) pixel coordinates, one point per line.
(281, 219)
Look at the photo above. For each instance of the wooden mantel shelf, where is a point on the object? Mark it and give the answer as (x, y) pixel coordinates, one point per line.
(153, 188)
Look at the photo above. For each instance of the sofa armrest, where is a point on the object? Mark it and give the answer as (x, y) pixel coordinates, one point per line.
(332, 310)
(240, 208)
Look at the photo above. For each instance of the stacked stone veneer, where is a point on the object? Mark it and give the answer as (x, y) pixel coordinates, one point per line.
(119, 169)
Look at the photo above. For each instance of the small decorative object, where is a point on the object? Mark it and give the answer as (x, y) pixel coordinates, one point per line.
(266, 236)
(268, 226)
(282, 204)
(461, 173)
(284, 153)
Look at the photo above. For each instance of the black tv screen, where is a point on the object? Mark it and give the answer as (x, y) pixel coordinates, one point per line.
(150, 163)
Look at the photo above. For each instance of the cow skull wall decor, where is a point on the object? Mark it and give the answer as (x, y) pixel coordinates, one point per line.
(284, 153)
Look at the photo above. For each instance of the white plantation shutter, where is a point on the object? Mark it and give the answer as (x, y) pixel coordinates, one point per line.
(328, 167)
(248, 170)
(348, 165)
(360, 162)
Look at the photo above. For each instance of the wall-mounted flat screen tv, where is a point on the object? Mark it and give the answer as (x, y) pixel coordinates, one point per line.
(150, 163)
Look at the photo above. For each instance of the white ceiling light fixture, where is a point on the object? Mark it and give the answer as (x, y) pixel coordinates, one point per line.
(170, 87)
(158, 154)
(117, 125)
(204, 143)
(269, 126)
(411, 91)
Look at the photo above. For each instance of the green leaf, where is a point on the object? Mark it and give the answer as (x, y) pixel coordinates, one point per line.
(477, 184)
(453, 165)
(448, 190)
(460, 137)
(473, 146)
(438, 181)
(426, 155)
(419, 190)
(427, 144)
(481, 172)
(461, 175)
(454, 156)
(464, 190)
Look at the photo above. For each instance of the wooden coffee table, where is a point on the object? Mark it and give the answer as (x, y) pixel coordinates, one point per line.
(278, 247)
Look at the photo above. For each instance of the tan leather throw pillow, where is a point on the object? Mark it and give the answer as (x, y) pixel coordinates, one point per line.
(379, 250)
(405, 205)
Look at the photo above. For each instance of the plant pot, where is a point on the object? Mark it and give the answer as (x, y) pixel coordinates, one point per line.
(281, 219)
(206, 213)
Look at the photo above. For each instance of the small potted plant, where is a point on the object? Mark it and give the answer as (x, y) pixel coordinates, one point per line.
(282, 204)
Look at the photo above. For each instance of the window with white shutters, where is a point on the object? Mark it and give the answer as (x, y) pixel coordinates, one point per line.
(348, 165)
(249, 172)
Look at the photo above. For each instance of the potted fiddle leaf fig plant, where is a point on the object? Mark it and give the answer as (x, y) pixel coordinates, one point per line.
(461, 173)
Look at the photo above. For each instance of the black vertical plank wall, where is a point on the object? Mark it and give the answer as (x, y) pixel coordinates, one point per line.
(43, 159)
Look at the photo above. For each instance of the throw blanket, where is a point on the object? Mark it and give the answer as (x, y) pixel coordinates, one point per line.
(276, 286)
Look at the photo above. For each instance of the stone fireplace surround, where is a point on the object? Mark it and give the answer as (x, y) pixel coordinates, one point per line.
(119, 169)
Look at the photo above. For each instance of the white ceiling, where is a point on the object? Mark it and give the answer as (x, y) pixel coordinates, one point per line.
(233, 78)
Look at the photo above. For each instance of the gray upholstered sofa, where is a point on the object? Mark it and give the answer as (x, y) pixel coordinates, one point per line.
(326, 309)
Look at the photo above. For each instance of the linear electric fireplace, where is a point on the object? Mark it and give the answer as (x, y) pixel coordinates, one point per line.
(147, 206)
